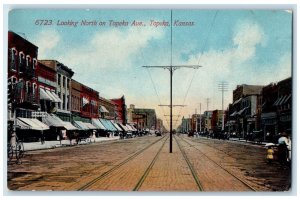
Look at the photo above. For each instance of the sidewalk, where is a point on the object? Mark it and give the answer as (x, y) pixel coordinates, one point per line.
(238, 140)
(29, 146)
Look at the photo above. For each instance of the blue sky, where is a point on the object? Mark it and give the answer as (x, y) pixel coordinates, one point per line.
(236, 46)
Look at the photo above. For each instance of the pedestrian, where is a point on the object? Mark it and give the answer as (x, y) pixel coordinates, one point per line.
(282, 149)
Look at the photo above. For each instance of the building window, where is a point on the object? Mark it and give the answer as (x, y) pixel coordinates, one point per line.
(21, 62)
(28, 61)
(64, 103)
(27, 86)
(34, 86)
(68, 82)
(12, 58)
(34, 63)
(58, 79)
(63, 83)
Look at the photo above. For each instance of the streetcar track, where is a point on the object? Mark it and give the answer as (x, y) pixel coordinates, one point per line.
(241, 180)
(146, 173)
(194, 173)
(90, 183)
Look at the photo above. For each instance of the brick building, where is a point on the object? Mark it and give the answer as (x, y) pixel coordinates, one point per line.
(63, 87)
(121, 110)
(23, 96)
(107, 109)
(85, 102)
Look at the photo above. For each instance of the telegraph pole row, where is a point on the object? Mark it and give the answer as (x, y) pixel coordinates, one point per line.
(223, 86)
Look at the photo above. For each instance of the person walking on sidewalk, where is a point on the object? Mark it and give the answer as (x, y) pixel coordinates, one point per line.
(283, 144)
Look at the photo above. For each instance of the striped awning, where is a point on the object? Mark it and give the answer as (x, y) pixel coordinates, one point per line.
(80, 125)
(53, 120)
(69, 126)
(44, 95)
(116, 125)
(98, 124)
(103, 109)
(90, 126)
(30, 123)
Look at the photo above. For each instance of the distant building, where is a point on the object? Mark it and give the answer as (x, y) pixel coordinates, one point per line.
(243, 111)
(186, 125)
(196, 122)
(63, 86)
(46, 77)
(107, 109)
(121, 110)
(144, 118)
(216, 120)
(207, 120)
(85, 102)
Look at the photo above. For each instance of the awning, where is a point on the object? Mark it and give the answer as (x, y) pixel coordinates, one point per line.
(57, 99)
(237, 101)
(134, 129)
(34, 124)
(53, 120)
(241, 111)
(50, 95)
(84, 101)
(290, 95)
(98, 124)
(90, 126)
(22, 125)
(129, 127)
(108, 125)
(116, 125)
(69, 126)
(277, 101)
(233, 114)
(44, 95)
(123, 127)
(282, 100)
(80, 125)
(103, 109)
(41, 124)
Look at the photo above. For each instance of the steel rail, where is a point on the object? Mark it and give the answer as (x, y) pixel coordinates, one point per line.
(146, 173)
(90, 183)
(241, 180)
(194, 173)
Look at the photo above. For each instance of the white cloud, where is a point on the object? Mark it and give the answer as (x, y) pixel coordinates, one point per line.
(111, 49)
(46, 40)
(228, 64)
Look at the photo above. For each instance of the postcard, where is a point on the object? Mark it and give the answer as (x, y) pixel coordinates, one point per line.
(156, 100)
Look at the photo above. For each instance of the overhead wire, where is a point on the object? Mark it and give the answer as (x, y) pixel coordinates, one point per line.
(201, 53)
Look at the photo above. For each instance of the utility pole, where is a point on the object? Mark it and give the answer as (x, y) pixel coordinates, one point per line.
(172, 68)
(200, 118)
(207, 102)
(196, 128)
(223, 86)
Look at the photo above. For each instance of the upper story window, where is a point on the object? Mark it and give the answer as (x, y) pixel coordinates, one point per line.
(58, 79)
(28, 61)
(21, 62)
(34, 63)
(12, 55)
(63, 83)
(34, 87)
(28, 84)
